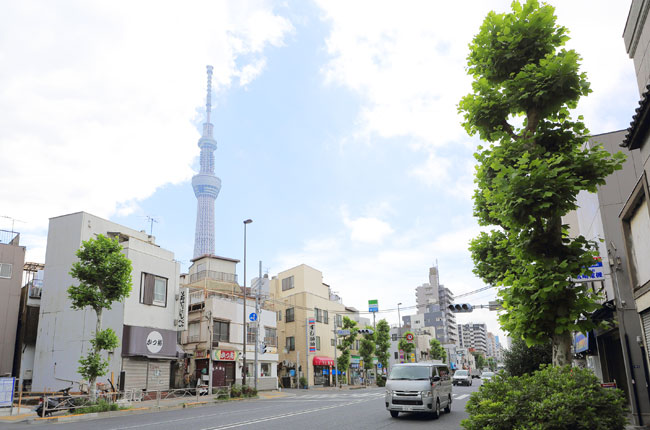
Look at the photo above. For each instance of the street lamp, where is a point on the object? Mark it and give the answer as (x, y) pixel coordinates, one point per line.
(399, 319)
(244, 369)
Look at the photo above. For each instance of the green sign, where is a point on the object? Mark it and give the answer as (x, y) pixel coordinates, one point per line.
(373, 306)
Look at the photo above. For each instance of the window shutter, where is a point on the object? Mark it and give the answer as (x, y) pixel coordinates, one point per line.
(149, 282)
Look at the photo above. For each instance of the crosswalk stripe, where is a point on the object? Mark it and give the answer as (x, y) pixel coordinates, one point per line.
(461, 396)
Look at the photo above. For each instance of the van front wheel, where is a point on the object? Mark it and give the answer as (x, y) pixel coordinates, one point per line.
(436, 413)
(448, 407)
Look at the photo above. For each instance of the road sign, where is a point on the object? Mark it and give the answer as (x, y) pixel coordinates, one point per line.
(343, 332)
(252, 316)
(409, 337)
(373, 306)
(597, 273)
(312, 335)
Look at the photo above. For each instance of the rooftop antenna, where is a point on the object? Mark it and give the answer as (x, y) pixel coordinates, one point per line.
(151, 221)
(13, 221)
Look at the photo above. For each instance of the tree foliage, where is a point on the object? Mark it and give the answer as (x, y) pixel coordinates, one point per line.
(382, 342)
(406, 346)
(480, 361)
(529, 174)
(558, 398)
(104, 276)
(343, 360)
(522, 359)
(367, 349)
(436, 351)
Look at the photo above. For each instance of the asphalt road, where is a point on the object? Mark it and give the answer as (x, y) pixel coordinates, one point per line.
(313, 409)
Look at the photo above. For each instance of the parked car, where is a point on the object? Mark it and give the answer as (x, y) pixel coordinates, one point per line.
(487, 376)
(418, 387)
(462, 377)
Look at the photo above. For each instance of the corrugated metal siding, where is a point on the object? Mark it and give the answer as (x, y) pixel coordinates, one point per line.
(645, 321)
(158, 378)
(135, 373)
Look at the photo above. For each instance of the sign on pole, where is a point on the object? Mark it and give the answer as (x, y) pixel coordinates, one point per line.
(252, 316)
(343, 332)
(373, 306)
(597, 273)
(409, 337)
(312, 335)
(7, 391)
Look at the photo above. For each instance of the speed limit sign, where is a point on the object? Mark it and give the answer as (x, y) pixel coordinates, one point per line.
(409, 337)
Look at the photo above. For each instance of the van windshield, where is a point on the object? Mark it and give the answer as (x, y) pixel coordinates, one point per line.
(409, 373)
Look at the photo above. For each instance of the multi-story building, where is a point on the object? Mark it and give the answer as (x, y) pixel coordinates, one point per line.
(12, 258)
(428, 294)
(215, 330)
(145, 322)
(298, 295)
(491, 345)
(473, 336)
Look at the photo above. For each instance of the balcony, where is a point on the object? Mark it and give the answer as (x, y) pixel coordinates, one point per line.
(214, 275)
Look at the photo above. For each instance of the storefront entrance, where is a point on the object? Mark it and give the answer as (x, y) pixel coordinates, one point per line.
(223, 373)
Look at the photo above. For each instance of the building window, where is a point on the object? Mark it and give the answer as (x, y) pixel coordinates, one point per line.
(291, 343)
(326, 319)
(319, 315)
(339, 321)
(221, 331)
(356, 345)
(333, 342)
(317, 343)
(5, 270)
(194, 334)
(251, 334)
(279, 315)
(396, 355)
(394, 337)
(289, 317)
(287, 283)
(266, 369)
(270, 336)
(153, 290)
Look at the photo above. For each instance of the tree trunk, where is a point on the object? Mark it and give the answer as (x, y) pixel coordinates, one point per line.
(92, 381)
(562, 349)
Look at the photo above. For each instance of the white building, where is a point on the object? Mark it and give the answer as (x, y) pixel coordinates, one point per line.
(147, 315)
(473, 336)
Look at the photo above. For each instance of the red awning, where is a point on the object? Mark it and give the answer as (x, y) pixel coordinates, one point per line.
(323, 361)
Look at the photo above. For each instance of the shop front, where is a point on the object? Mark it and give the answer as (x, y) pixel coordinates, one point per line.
(355, 370)
(147, 355)
(224, 362)
(323, 368)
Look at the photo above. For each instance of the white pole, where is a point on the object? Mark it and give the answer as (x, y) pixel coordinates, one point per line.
(257, 312)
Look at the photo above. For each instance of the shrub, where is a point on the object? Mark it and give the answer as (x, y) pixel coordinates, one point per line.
(381, 381)
(235, 390)
(303, 382)
(557, 398)
(101, 406)
(521, 359)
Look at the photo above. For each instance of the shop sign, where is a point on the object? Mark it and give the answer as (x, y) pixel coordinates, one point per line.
(355, 359)
(200, 354)
(182, 309)
(224, 355)
(154, 342)
(312, 335)
(145, 341)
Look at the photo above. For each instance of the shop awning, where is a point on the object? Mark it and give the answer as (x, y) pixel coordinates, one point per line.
(323, 361)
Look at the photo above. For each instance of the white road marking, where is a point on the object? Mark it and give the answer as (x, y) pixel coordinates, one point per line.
(277, 417)
(460, 397)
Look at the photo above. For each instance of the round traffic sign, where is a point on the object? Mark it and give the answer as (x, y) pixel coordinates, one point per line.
(409, 337)
(252, 316)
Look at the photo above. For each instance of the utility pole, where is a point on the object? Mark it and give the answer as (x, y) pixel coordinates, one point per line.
(307, 351)
(298, 368)
(257, 312)
(336, 347)
(209, 315)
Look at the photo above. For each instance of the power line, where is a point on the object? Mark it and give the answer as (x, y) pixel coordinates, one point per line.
(474, 292)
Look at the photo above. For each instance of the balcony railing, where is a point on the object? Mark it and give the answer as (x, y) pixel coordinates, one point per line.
(214, 275)
(271, 341)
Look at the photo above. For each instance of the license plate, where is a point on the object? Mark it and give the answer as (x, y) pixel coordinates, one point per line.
(407, 408)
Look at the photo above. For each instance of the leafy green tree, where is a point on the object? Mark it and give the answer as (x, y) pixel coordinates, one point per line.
(104, 276)
(436, 351)
(367, 351)
(480, 360)
(528, 177)
(522, 359)
(492, 363)
(382, 343)
(343, 360)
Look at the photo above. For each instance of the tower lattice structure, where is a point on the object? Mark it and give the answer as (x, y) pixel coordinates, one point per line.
(206, 185)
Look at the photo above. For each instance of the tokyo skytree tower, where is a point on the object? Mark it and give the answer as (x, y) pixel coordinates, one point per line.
(206, 185)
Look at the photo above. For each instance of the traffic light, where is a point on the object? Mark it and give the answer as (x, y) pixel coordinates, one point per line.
(461, 307)
(262, 348)
(365, 331)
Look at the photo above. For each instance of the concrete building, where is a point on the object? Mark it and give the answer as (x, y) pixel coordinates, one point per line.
(145, 322)
(428, 294)
(473, 336)
(12, 259)
(216, 331)
(491, 345)
(297, 295)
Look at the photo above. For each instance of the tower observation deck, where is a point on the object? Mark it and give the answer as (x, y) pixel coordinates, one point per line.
(206, 185)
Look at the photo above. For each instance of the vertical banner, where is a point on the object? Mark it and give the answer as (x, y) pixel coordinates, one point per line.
(182, 309)
(312, 335)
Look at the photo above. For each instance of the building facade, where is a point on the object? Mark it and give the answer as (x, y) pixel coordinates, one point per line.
(145, 322)
(12, 259)
(473, 336)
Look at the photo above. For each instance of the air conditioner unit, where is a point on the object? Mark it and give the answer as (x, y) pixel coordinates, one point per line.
(175, 322)
(35, 292)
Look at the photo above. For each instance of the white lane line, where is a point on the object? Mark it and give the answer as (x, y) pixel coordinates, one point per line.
(462, 396)
(277, 417)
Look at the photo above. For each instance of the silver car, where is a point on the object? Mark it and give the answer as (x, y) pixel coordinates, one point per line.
(462, 377)
(418, 387)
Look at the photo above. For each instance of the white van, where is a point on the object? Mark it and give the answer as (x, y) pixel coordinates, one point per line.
(418, 387)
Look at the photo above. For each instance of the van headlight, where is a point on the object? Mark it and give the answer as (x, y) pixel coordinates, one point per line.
(426, 393)
(389, 392)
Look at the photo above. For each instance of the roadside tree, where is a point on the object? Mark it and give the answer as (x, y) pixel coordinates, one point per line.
(528, 176)
(343, 360)
(104, 276)
(522, 359)
(436, 351)
(382, 343)
(367, 352)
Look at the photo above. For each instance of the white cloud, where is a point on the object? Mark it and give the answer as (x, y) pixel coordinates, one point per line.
(97, 97)
(366, 229)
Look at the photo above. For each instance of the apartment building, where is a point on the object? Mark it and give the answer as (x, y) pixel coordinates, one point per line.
(307, 314)
(473, 336)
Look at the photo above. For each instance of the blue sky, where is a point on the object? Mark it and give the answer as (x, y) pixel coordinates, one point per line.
(336, 124)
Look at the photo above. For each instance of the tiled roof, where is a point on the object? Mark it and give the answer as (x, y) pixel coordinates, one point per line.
(638, 129)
